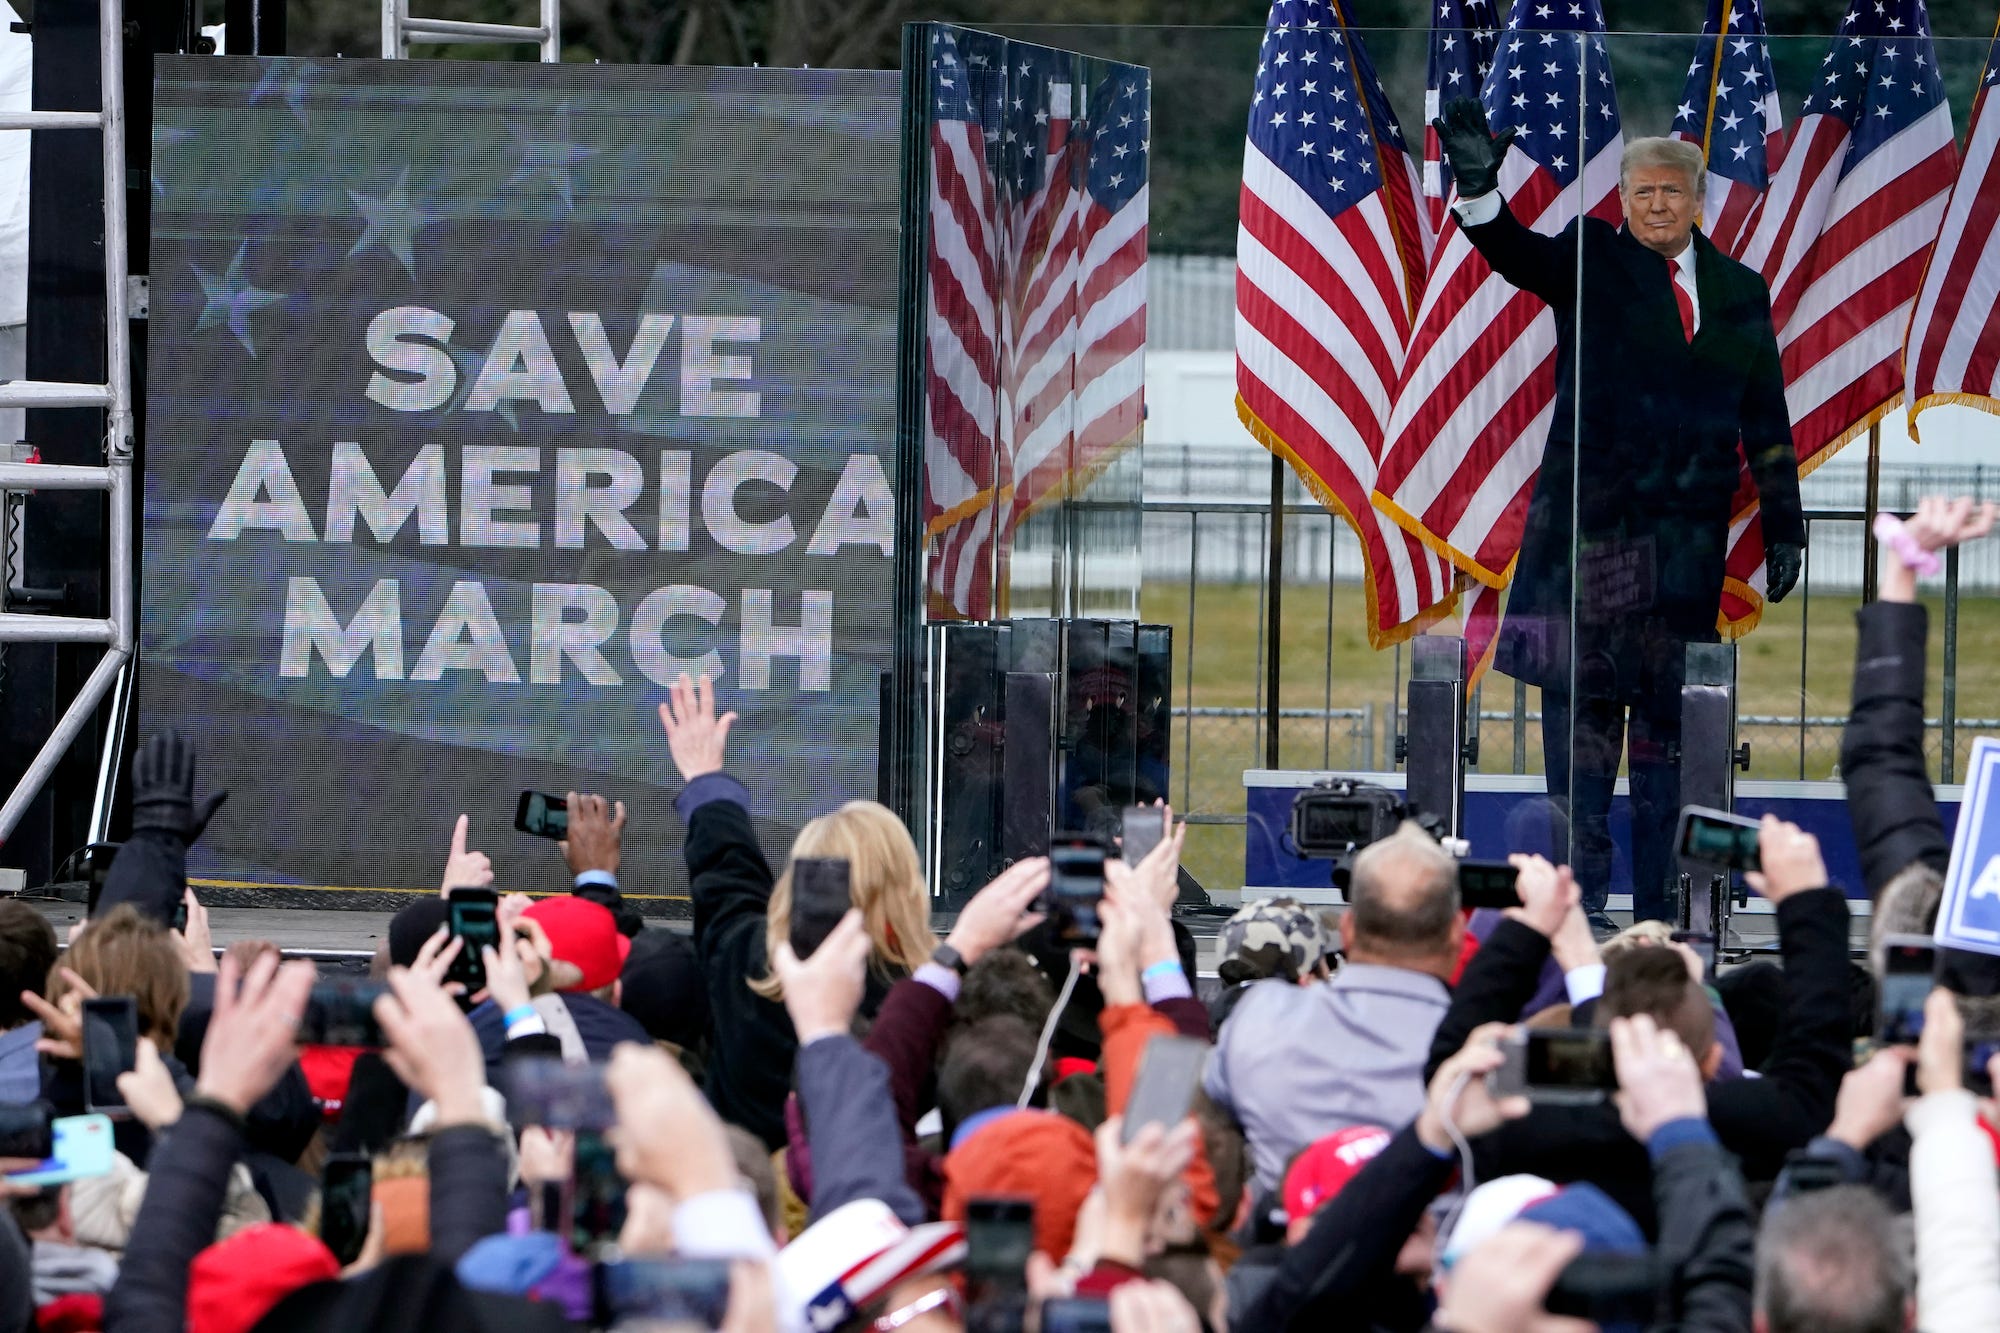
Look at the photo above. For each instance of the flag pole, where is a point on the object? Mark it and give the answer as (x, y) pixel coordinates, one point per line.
(1872, 506)
(1275, 583)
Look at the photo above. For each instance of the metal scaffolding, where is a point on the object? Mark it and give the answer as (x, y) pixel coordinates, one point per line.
(400, 28)
(114, 477)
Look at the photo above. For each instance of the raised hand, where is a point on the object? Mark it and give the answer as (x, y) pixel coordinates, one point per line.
(1940, 524)
(1658, 1079)
(432, 1047)
(197, 948)
(596, 834)
(1547, 893)
(1158, 871)
(1790, 859)
(823, 992)
(464, 869)
(163, 789)
(253, 1030)
(695, 735)
(1459, 1097)
(667, 1134)
(148, 1088)
(1002, 911)
(1469, 146)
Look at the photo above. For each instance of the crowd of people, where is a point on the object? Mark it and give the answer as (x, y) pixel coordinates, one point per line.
(901, 1132)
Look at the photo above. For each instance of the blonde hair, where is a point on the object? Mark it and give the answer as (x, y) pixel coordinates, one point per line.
(884, 877)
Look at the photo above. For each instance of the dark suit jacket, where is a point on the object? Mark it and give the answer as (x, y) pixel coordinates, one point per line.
(1664, 425)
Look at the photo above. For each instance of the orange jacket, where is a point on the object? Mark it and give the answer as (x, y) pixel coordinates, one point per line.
(1127, 1028)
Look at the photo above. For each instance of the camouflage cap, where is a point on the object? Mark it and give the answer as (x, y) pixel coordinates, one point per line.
(1272, 937)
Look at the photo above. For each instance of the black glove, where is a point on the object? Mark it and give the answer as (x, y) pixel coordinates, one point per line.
(1781, 565)
(163, 789)
(1472, 151)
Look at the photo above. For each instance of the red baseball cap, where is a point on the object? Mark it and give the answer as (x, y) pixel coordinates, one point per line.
(585, 935)
(1323, 1170)
(234, 1283)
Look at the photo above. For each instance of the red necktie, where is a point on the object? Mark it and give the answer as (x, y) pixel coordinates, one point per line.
(1682, 299)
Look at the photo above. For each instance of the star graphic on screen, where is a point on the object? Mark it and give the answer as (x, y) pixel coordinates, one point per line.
(392, 222)
(548, 153)
(232, 298)
(287, 79)
(166, 136)
(470, 364)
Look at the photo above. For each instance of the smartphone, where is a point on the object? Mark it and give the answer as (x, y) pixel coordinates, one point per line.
(1163, 1093)
(672, 1292)
(999, 1237)
(1557, 1066)
(346, 1188)
(543, 815)
(543, 1090)
(27, 1130)
(1611, 1288)
(1076, 1314)
(474, 917)
(1968, 972)
(1076, 887)
(82, 1150)
(1142, 829)
(342, 1013)
(1718, 838)
(1909, 968)
(110, 1048)
(820, 898)
(1488, 884)
(597, 1195)
(179, 924)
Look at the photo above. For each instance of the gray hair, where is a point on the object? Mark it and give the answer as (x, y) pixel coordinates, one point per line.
(1677, 153)
(1833, 1261)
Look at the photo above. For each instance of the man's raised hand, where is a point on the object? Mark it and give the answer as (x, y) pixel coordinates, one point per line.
(695, 735)
(596, 834)
(1470, 147)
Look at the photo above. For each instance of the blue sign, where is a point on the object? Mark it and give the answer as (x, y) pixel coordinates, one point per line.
(1969, 917)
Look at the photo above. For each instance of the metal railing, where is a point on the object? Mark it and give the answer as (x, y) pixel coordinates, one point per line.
(400, 28)
(1205, 561)
(114, 477)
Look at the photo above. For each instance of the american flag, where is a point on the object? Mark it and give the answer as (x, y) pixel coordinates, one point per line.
(1036, 317)
(1080, 284)
(966, 484)
(1730, 110)
(1331, 245)
(1462, 39)
(1952, 354)
(1842, 240)
(1478, 388)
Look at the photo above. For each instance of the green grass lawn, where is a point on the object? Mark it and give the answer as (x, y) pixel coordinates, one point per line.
(1800, 661)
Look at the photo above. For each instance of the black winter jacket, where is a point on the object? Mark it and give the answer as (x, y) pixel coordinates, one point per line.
(190, 1174)
(750, 1056)
(1889, 796)
(1760, 1120)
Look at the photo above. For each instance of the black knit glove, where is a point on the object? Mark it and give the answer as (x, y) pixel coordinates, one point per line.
(163, 789)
